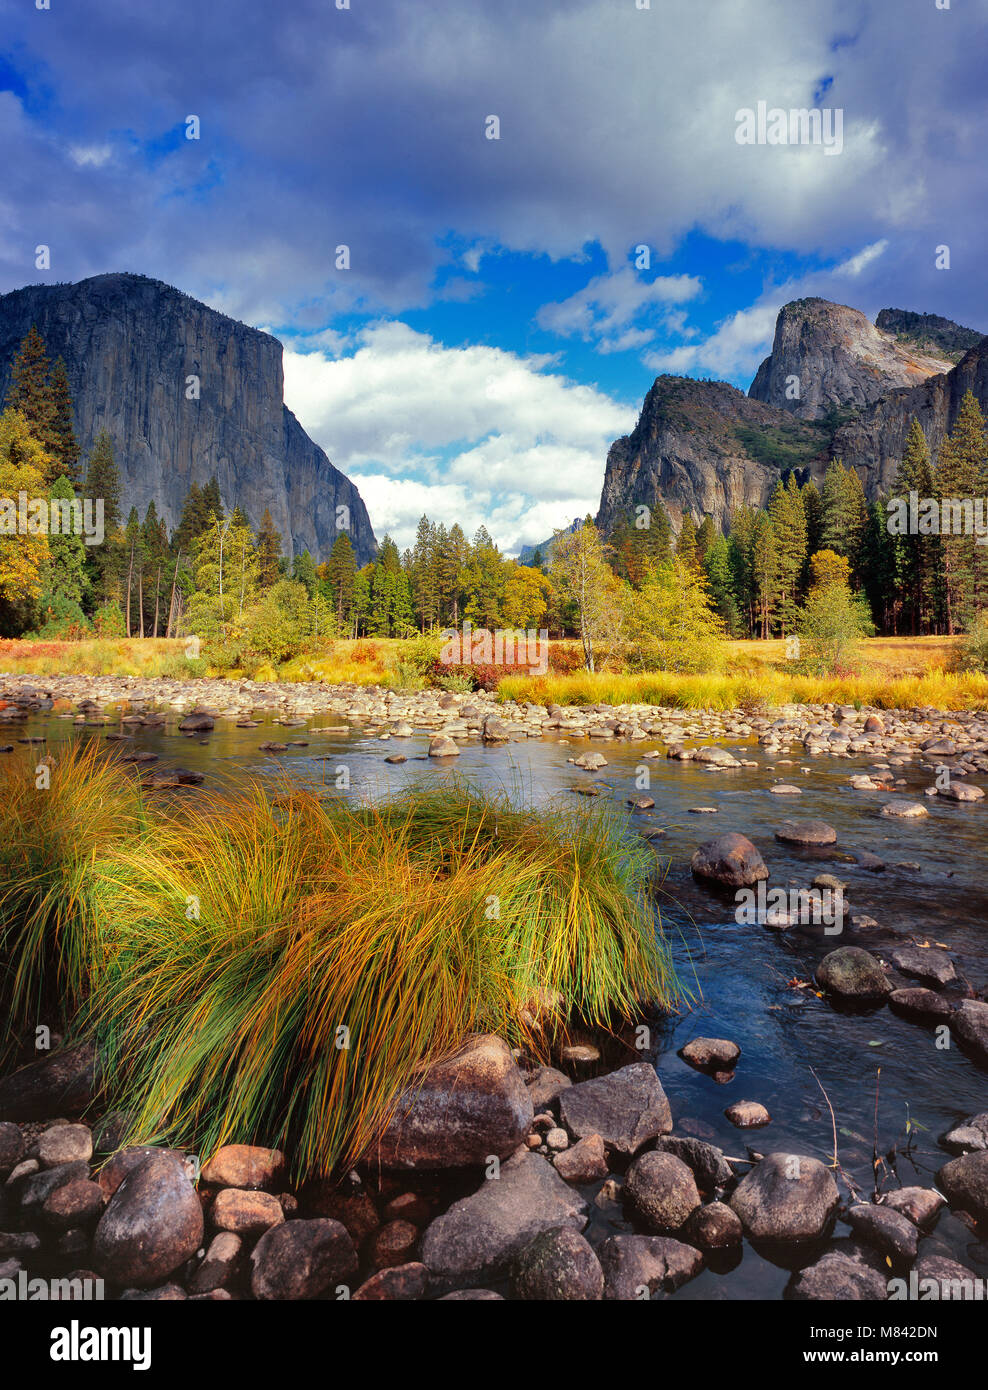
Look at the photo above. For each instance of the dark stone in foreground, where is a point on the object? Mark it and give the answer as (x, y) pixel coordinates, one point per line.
(153, 1224)
(302, 1259)
(786, 1197)
(965, 1181)
(63, 1083)
(853, 973)
(837, 1277)
(558, 1266)
(806, 832)
(970, 1025)
(637, 1266)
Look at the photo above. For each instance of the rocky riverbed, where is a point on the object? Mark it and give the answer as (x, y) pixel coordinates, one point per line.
(694, 1160)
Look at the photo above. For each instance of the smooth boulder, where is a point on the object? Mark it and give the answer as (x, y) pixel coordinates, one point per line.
(731, 860)
(786, 1197)
(152, 1224)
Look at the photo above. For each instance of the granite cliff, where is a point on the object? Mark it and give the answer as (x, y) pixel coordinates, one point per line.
(130, 345)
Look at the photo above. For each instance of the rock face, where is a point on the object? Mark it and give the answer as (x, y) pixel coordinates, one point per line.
(466, 1109)
(479, 1236)
(839, 358)
(129, 345)
(703, 446)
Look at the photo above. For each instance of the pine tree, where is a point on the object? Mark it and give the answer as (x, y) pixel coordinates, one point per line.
(30, 390)
(304, 571)
(740, 543)
(686, 547)
(102, 487)
(706, 535)
(813, 509)
(154, 536)
(65, 445)
(961, 472)
(341, 573)
(268, 551)
(844, 513)
(788, 518)
(717, 565)
(134, 553)
(212, 502)
(916, 557)
(764, 571)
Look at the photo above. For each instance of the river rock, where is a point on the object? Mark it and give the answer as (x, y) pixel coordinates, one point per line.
(245, 1213)
(786, 1197)
(64, 1144)
(924, 963)
(247, 1166)
(443, 747)
(917, 1003)
(479, 1236)
(544, 1085)
(11, 1147)
(400, 1284)
(196, 723)
(904, 810)
(634, 1264)
(714, 1227)
(806, 832)
(965, 1181)
(748, 1114)
(729, 859)
(73, 1205)
(63, 1083)
(301, 1260)
(583, 1162)
(558, 1266)
(969, 1137)
(152, 1224)
(970, 1025)
(705, 1161)
(887, 1231)
(853, 973)
(837, 1277)
(220, 1266)
(919, 1204)
(718, 1053)
(626, 1108)
(660, 1191)
(591, 762)
(463, 1111)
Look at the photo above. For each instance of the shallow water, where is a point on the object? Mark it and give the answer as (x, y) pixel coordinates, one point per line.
(795, 1045)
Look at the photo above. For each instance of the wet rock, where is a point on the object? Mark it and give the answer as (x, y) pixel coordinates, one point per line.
(919, 1204)
(244, 1213)
(921, 1004)
(584, 1162)
(393, 1244)
(113, 1172)
(221, 1266)
(246, 1166)
(152, 1224)
(472, 1296)
(12, 1147)
(924, 963)
(904, 810)
(961, 791)
(591, 762)
(399, 1284)
(965, 1181)
(479, 1236)
(302, 1259)
(969, 1137)
(786, 1197)
(626, 1108)
(719, 1053)
(837, 1277)
(806, 832)
(63, 1083)
(558, 1266)
(636, 1267)
(660, 1191)
(853, 973)
(583, 1053)
(943, 1278)
(887, 1231)
(463, 1111)
(969, 1025)
(729, 859)
(705, 1161)
(714, 1227)
(443, 747)
(748, 1114)
(196, 723)
(785, 789)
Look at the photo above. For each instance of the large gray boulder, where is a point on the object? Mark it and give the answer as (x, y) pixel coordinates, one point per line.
(464, 1111)
(635, 1267)
(558, 1266)
(152, 1224)
(853, 973)
(660, 1192)
(479, 1236)
(626, 1108)
(838, 1277)
(302, 1259)
(786, 1197)
(970, 1026)
(965, 1181)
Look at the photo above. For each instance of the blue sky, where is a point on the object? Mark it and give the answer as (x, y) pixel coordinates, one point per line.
(493, 333)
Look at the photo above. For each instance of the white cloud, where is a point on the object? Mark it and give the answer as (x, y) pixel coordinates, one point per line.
(471, 434)
(854, 265)
(607, 309)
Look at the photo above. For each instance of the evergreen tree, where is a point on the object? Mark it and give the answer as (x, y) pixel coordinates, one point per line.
(844, 513)
(134, 561)
(341, 574)
(706, 535)
(740, 545)
(717, 565)
(764, 571)
(961, 474)
(102, 485)
(268, 551)
(686, 547)
(788, 518)
(304, 572)
(916, 558)
(30, 392)
(192, 522)
(64, 443)
(211, 500)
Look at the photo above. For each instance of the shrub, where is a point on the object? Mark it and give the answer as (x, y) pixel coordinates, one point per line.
(831, 628)
(974, 646)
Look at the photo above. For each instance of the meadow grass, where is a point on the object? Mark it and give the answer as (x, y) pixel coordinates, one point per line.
(148, 657)
(277, 969)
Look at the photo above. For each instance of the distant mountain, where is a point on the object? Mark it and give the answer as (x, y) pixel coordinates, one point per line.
(527, 553)
(130, 345)
(705, 447)
(836, 359)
